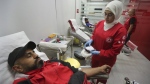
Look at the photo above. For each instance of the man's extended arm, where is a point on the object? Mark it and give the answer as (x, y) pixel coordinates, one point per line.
(93, 71)
(88, 71)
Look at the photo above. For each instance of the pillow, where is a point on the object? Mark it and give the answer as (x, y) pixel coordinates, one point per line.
(8, 44)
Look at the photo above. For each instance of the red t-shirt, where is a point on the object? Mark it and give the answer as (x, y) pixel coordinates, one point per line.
(50, 73)
(131, 20)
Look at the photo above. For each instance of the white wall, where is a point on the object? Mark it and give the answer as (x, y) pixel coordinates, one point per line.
(38, 18)
(65, 11)
(78, 15)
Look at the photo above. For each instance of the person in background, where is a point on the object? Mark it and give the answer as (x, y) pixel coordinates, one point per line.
(108, 37)
(130, 24)
(88, 24)
(32, 70)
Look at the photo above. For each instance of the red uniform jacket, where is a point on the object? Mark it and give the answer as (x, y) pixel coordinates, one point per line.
(54, 73)
(109, 43)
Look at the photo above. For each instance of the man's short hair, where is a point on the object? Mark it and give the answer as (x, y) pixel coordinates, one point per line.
(86, 18)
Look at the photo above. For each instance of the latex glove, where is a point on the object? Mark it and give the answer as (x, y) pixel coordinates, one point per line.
(94, 52)
(88, 43)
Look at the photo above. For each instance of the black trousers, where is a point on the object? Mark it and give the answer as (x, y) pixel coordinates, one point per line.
(128, 38)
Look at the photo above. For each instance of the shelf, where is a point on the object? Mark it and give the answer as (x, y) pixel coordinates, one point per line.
(89, 10)
(93, 11)
(94, 15)
(95, 18)
(95, 4)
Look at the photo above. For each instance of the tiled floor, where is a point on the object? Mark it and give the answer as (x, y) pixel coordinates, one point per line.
(135, 67)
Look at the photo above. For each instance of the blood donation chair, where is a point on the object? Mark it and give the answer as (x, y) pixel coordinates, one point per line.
(9, 43)
(75, 31)
(88, 29)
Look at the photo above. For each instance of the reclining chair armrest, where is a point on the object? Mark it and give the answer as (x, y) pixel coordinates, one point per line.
(82, 28)
(77, 36)
(100, 76)
(89, 34)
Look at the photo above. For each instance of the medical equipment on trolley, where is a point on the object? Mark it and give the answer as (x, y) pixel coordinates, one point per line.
(57, 46)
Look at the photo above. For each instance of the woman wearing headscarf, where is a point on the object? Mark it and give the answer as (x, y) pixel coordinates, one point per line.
(108, 37)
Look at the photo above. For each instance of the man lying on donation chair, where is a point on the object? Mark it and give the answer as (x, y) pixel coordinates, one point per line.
(33, 70)
(88, 24)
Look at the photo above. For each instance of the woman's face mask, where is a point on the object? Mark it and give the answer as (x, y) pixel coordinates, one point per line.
(109, 16)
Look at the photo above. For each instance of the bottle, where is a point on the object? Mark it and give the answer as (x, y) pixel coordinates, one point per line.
(133, 82)
(127, 81)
